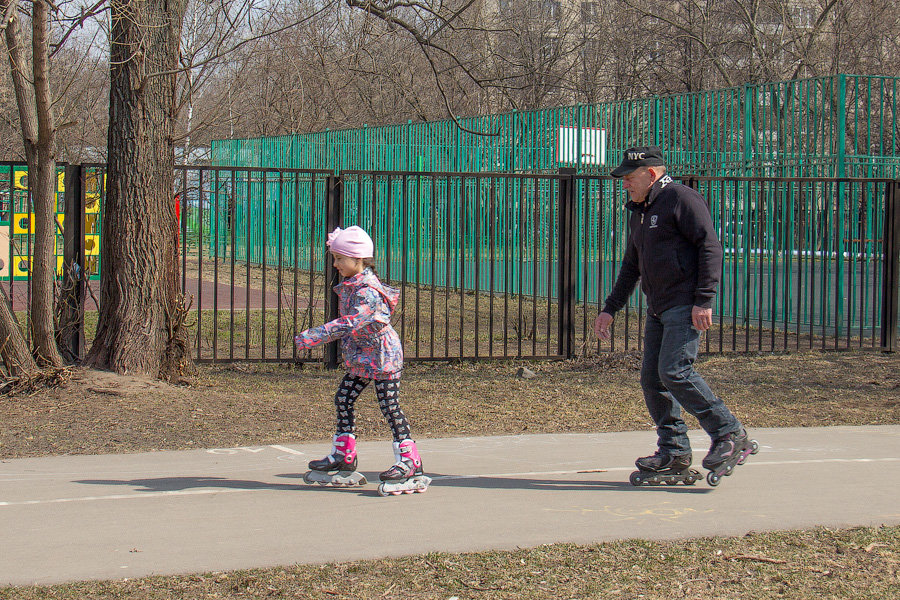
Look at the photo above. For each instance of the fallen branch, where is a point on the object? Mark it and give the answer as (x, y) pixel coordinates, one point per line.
(764, 559)
(106, 391)
(48, 377)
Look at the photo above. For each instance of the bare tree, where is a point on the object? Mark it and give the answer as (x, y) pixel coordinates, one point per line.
(375, 62)
(10, 139)
(81, 73)
(140, 323)
(31, 81)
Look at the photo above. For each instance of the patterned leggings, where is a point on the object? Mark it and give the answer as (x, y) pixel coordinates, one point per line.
(388, 393)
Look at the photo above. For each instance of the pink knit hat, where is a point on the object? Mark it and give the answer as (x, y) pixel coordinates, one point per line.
(353, 242)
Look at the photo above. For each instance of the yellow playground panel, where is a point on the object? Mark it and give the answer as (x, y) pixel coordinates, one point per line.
(15, 245)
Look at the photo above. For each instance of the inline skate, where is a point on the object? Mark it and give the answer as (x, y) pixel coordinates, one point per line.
(405, 476)
(726, 453)
(338, 469)
(663, 468)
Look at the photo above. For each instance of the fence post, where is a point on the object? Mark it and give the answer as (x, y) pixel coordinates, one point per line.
(890, 280)
(565, 244)
(693, 182)
(71, 326)
(334, 217)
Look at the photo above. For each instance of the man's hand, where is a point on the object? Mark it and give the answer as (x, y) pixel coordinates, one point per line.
(701, 318)
(601, 325)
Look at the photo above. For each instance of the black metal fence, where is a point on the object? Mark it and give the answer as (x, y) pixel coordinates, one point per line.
(498, 266)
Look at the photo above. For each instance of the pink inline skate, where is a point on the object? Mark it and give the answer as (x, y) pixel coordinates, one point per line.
(338, 468)
(405, 476)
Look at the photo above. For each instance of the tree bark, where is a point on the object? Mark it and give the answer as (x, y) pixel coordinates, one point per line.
(139, 328)
(41, 154)
(13, 350)
(39, 138)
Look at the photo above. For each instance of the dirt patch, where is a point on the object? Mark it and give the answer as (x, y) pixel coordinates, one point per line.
(245, 405)
(112, 384)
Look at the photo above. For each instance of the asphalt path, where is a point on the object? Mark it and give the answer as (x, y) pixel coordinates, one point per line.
(71, 518)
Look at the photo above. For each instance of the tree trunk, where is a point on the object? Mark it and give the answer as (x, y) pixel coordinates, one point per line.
(41, 154)
(39, 137)
(139, 328)
(43, 188)
(13, 349)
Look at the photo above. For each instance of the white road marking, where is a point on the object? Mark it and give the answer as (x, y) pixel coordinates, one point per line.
(127, 496)
(198, 492)
(231, 451)
(286, 449)
(611, 469)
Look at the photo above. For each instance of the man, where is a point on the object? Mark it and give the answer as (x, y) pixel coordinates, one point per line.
(673, 249)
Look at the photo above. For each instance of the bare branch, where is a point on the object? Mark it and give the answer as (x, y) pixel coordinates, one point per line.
(78, 22)
(8, 13)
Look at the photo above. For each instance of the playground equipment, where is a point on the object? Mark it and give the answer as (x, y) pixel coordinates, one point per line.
(17, 221)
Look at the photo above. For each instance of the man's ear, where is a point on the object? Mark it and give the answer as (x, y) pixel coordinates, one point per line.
(655, 172)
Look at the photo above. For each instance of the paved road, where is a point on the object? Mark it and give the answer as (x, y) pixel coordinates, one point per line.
(104, 517)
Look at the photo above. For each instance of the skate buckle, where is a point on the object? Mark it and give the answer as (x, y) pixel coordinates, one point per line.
(714, 477)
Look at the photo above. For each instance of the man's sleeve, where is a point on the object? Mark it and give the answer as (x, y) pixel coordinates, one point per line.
(695, 223)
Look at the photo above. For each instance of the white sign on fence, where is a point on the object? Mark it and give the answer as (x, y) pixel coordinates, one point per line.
(592, 150)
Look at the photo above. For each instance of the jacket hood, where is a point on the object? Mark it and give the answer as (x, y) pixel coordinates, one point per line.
(368, 279)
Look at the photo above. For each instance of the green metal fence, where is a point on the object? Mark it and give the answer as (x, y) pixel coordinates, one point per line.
(261, 215)
(803, 260)
(837, 126)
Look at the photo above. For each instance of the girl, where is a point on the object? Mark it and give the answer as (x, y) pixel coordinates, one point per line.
(372, 351)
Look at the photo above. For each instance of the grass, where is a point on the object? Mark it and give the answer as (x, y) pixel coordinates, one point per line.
(859, 563)
(245, 405)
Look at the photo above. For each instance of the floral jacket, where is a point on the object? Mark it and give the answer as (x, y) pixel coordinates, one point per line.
(371, 347)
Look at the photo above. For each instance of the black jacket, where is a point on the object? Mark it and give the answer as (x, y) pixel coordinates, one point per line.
(672, 248)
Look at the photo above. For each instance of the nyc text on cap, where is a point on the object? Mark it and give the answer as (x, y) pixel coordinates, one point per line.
(641, 156)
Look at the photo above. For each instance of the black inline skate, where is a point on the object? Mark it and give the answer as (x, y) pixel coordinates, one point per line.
(726, 453)
(338, 469)
(663, 468)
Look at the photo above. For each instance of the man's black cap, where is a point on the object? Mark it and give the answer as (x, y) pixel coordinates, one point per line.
(641, 156)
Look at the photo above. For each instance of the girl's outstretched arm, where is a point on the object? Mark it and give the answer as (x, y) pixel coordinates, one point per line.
(364, 314)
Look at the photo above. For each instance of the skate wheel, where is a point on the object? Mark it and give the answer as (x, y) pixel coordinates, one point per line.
(755, 446)
(713, 479)
(636, 479)
(690, 481)
(729, 470)
(742, 459)
(671, 482)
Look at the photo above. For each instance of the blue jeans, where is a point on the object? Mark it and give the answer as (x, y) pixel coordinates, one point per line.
(670, 382)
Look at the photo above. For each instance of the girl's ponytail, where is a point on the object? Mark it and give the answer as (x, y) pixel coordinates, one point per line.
(369, 263)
